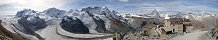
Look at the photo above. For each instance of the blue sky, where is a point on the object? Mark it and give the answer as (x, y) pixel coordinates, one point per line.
(122, 6)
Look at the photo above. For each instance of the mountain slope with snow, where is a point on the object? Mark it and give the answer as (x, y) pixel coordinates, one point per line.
(89, 23)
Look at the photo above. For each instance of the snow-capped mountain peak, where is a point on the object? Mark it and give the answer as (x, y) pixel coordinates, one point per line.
(25, 12)
(54, 12)
(105, 9)
(154, 12)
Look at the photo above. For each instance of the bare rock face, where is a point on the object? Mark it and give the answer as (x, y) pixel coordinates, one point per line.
(100, 25)
(73, 25)
(35, 23)
(38, 23)
(119, 26)
(29, 27)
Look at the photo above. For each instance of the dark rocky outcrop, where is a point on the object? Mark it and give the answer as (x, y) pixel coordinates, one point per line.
(25, 25)
(35, 23)
(100, 25)
(73, 25)
(119, 26)
(38, 23)
(28, 27)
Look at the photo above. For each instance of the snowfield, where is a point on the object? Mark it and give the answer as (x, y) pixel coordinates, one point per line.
(55, 32)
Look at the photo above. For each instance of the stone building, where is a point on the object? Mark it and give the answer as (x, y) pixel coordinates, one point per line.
(177, 25)
(188, 27)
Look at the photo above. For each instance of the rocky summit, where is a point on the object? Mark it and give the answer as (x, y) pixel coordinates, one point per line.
(73, 25)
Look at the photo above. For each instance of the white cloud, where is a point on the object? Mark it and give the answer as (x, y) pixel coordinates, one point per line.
(123, 0)
(38, 5)
(174, 6)
(33, 4)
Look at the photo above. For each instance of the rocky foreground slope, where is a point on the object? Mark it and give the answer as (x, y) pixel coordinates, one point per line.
(7, 35)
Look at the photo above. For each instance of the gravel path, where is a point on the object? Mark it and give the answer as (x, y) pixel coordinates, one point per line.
(200, 35)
